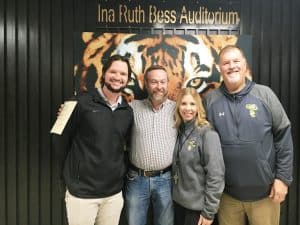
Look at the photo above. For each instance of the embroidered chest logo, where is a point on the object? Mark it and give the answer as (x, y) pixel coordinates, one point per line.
(221, 114)
(191, 145)
(252, 109)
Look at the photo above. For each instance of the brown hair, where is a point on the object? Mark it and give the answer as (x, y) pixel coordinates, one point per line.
(151, 68)
(112, 59)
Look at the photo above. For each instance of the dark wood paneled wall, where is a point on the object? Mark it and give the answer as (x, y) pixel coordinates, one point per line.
(36, 57)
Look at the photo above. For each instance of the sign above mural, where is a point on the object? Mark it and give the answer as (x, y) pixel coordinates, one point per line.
(168, 13)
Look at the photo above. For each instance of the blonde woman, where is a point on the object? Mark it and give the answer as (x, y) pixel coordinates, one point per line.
(198, 167)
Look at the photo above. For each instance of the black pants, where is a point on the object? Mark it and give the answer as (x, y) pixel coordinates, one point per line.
(184, 216)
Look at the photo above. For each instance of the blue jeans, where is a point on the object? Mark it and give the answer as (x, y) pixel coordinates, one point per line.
(141, 190)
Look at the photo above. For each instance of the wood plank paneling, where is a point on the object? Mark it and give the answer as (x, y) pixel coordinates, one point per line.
(293, 208)
(45, 111)
(36, 68)
(34, 118)
(3, 166)
(10, 110)
(22, 113)
(57, 93)
(275, 47)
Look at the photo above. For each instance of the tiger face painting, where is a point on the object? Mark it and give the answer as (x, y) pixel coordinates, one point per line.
(190, 60)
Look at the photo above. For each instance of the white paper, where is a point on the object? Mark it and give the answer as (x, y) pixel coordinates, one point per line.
(63, 117)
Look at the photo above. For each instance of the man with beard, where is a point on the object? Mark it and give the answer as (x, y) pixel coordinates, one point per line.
(151, 150)
(95, 167)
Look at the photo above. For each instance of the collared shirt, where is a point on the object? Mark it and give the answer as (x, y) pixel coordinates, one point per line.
(153, 135)
(112, 106)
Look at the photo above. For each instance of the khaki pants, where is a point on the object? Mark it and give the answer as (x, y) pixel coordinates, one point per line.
(235, 212)
(99, 211)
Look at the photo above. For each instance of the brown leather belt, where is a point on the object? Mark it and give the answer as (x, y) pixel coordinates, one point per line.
(149, 173)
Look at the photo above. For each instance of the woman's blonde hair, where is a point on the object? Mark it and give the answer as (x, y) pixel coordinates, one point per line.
(200, 119)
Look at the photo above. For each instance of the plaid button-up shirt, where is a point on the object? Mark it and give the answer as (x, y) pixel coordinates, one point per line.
(153, 135)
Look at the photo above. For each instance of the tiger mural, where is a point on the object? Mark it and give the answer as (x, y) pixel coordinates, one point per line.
(191, 60)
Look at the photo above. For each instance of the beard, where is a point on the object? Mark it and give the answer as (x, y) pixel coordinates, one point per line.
(114, 90)
(159, 97)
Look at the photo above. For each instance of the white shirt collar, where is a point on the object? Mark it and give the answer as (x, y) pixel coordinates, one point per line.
(112, 106)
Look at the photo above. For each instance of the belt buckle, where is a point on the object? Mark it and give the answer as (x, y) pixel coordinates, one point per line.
(148, 173)
(145, 173)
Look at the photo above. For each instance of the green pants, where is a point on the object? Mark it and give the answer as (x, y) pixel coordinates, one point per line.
(235, 212)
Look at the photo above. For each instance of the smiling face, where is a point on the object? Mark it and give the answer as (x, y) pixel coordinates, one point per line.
(233, 68)
(116, 76)
(188, 108)
(156, 83)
